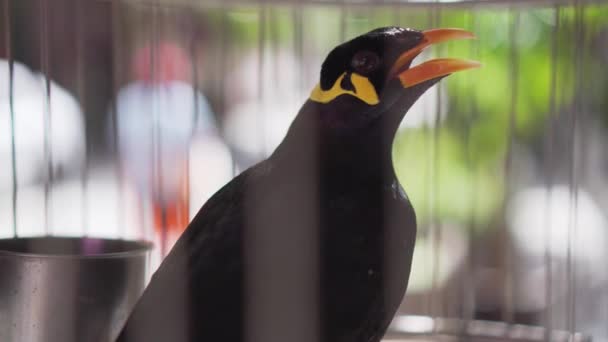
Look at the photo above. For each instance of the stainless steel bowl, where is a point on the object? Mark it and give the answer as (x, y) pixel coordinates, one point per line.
(68, 289)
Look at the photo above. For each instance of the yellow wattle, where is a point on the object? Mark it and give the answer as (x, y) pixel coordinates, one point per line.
(364, 90)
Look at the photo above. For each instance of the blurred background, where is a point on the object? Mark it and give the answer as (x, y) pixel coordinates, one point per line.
(121, 118)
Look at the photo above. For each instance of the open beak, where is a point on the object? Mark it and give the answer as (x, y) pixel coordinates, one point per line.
(410, 76)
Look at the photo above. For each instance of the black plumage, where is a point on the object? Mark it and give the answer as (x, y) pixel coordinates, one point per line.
(314, 243)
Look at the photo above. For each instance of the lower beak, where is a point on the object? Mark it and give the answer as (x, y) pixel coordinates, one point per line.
(433, 68)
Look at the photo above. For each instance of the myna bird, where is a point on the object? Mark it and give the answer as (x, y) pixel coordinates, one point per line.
(314, 243)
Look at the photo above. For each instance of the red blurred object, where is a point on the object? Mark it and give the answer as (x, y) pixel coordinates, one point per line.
(171, 217)
(162, 63)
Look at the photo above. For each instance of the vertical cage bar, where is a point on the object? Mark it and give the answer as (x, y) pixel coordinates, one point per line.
(508, 311)
(396, 8)
(298, 42)
(343, 19)
(302, 48)
(563, 94)
(223, 58)
(437, 306)
(196, 114)
(549, 175)
(157, 151)
(468, 306)
(11, 104)
(274, 49)
(117, 70)
(428, 232)
(437, 172)
(47, 115)
(81, 95)
(580, 156)
(573, 181)
(261, 115)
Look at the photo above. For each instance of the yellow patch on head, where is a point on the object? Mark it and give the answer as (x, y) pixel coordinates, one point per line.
(364, 90)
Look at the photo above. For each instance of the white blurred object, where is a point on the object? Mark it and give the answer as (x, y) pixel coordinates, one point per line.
(448, 255)
(534, 210)
(210, 169)
(554, 220)
(424, 111)
(29, 101)
(258, 119)
(413, 324)
(279, 72)
(254, 127)
(103, 219)
(159, 114)
(166, 112)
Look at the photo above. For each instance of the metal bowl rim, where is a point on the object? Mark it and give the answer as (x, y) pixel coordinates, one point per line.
(141, 247)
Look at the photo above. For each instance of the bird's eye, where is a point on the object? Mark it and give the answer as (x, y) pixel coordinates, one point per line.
(364, 62)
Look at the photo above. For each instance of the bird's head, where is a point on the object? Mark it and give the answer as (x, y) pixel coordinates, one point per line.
(371, 76)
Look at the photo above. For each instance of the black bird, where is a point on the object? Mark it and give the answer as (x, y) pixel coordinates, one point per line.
(314, 243)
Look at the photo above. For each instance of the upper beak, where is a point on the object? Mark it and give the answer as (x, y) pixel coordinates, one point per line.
(433, 68)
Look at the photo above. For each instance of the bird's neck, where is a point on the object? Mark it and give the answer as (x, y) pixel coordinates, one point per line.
(364, 157)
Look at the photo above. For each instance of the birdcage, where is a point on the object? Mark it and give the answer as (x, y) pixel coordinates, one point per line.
(119, 119)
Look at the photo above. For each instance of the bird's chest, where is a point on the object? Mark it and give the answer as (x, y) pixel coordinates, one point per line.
(352, 230)
(355, 225)
(359, 237)
(352, 238)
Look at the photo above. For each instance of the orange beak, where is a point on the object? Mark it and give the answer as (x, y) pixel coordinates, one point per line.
(433, 68)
